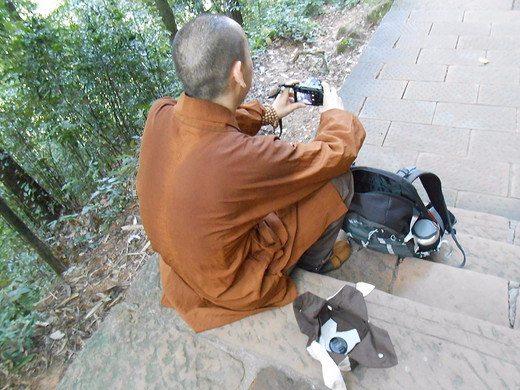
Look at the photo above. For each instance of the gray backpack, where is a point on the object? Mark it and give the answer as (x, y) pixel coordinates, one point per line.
(388, 215)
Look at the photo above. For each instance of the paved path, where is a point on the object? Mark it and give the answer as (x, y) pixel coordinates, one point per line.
(438, 87)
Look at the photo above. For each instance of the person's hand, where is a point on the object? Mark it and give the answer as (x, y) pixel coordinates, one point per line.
(330, 99)
(284, 103)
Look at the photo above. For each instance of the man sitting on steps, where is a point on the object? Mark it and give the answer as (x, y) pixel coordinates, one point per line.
(229, 213)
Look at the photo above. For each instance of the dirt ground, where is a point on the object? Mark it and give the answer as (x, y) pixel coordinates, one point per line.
(99, 276)
(286, 60)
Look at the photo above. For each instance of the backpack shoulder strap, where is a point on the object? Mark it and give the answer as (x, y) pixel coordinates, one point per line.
(433, 187)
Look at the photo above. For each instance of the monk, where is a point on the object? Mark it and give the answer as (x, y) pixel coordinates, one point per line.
(231, 213)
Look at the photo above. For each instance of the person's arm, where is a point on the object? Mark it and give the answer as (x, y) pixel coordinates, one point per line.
(249, 117)
(252, 115)
(286, 173)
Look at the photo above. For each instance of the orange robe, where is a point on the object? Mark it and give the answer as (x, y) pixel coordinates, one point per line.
(230, 213)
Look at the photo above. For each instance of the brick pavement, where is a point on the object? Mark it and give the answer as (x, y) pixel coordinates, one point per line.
(438, 86)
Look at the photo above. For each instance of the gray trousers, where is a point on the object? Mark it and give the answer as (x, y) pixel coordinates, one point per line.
(317, 255)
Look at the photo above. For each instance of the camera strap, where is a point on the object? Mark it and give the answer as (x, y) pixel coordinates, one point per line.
(273, 94)
(280, 126)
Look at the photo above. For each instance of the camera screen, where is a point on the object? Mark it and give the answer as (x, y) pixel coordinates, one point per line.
(305, 97)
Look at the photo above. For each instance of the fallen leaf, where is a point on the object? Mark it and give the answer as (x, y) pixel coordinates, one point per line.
(485, 61)
(68, 300)
(58, 335)
(146, 246)
(115, 300)
(94, 309)
(42, 324)
(133, 237)
(132, 227)
(101, 295)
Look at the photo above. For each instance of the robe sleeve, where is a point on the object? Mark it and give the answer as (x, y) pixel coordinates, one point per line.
(267, 174)
(249, 115)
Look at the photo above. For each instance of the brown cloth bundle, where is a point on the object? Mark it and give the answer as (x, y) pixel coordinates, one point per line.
(349, 311)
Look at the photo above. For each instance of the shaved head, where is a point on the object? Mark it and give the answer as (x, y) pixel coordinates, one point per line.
(203, 52)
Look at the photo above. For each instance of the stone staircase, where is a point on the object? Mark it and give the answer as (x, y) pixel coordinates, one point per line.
(452, 328)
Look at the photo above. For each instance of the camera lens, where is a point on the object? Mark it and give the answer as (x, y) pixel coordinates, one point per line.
(338, 345)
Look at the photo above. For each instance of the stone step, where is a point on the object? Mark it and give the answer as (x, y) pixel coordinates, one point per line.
(483, 255)
(143, 345)
(488, 242)
(493, 227)
(454, 289)
(487, 288)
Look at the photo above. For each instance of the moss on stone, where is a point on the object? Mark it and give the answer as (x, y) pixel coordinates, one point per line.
(379, 11)
(343, 45)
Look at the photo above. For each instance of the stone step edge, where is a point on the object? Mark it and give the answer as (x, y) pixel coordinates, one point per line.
(476, 222)
(410, 277)
(501, 259)
(473, 293)
(272, 338)
(323, 285)
(481, 254)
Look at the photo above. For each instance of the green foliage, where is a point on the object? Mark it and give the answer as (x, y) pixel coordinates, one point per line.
(75, 84)
(23, 282)
(185, 10)
(75, 89)
(105, 204)
(113, 192)
(341, 32)
(267, 19)
(349, 3)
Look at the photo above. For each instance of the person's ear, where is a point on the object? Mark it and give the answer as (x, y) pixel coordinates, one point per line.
(237, 74)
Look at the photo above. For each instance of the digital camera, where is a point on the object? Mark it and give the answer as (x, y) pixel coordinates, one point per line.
(310, 92)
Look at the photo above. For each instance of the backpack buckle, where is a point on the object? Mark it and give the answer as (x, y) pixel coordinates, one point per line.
(406, 171)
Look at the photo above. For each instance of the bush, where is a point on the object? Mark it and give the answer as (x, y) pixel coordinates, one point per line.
(266, 20)
(76, 90)
(24, 280)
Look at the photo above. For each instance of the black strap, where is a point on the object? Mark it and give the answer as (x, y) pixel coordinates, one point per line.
(432, 185)
(453, 235)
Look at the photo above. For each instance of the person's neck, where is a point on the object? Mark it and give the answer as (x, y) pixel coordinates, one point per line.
(227, 101)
